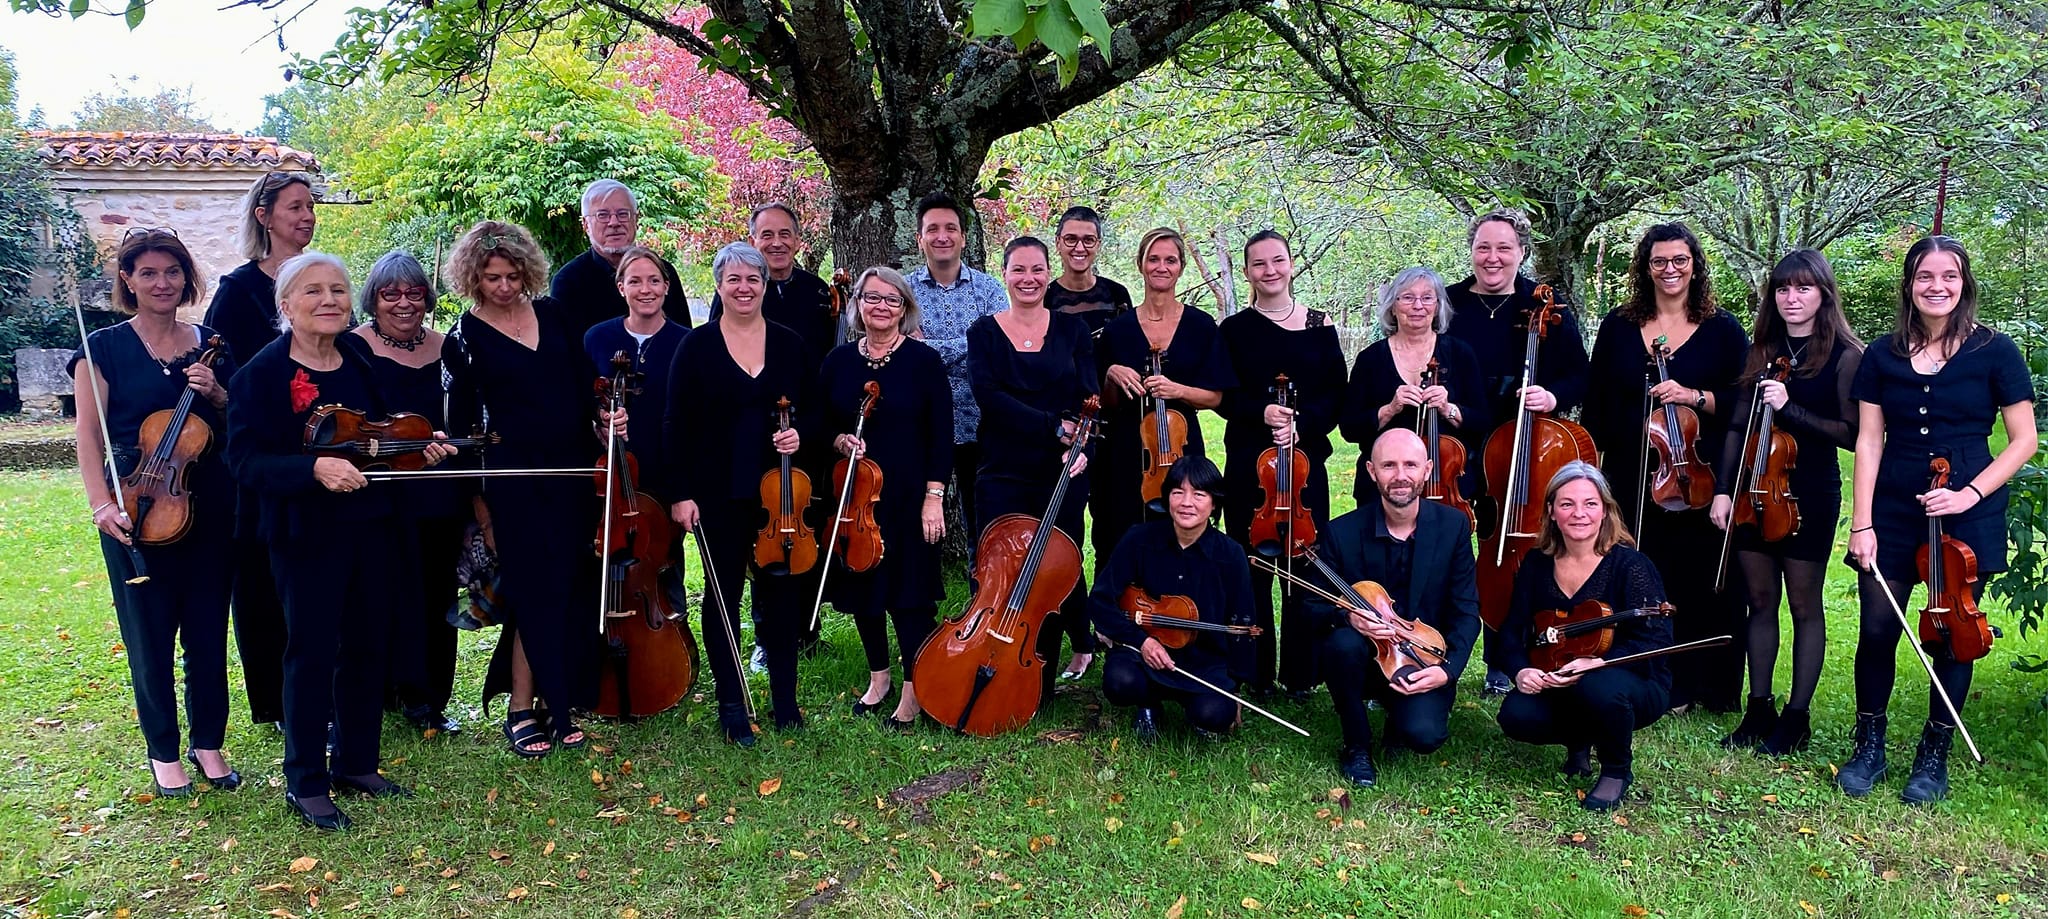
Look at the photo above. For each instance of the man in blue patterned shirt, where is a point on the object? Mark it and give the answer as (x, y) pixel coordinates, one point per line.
(952, 296)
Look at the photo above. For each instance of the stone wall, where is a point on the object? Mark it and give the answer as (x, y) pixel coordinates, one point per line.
(45, 387)
(204, 207)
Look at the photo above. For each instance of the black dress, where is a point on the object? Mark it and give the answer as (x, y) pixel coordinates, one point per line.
(646, 410)
(186, 597)
(1096, 306)
(1313, 360)
(1606, 707)
(244, 312)
(539, 402)
(1821, 417)
(803, 303)
(1214, 575)
(587, 287)
(1495, 326)
(1374, 378)
(1195, 357)
(1682, 544)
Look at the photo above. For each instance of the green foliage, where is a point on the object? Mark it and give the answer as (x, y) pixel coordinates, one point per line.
(44, 252)
(8, 75)
(132, 13)
(128, 108)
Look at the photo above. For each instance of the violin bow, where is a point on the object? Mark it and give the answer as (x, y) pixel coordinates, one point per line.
(1926, 662)
(99, 406)
(716, 596)
(383, 475)
(1234, 697)
(1713, 642)
(1749, 428)
(604, 522)
(845, 494)
(1643, 467)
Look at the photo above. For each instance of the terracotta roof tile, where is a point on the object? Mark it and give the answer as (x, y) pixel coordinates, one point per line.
(162, 148)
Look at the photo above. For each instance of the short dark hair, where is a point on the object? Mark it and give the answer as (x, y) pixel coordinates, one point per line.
(754, 216)
(1025, 242)
(1079, 212)
(1197, 472)
(938, 201)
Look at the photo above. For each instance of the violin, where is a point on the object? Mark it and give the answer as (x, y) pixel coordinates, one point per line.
(651, 658)
(1164, 432)
(1172, 619)
(1521, 457)
(398, 442)
(842, 293)
(785, 544)
(1416, 645)
(857, 538)
(979, 673)
(1282, 526)
(1951, 617)
(1585, 630)
(1446, 453)
(155, 494)
(1762, 496)
(1678, 478)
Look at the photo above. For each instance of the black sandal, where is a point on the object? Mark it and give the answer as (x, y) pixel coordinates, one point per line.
(523, 729)
(567, 728)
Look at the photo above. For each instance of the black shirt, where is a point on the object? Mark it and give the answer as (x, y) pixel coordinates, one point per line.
(1024, 394)
(420, 391)
(1096, 306)
(1495, 326)
(647, 409)
(268, 405)
(909, 434)
(1374, 378)
(244, 310)
(1212, 572)
(1313, 361)
(1624, 580)
(588, 289)
(1709, 361)
(803, 302)
(719, 426)
(539, 400)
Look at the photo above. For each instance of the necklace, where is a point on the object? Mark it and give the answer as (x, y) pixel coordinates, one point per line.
(1276, 315)
(147, 348)
(877, 363)
(1798, 352)
(1493, 308)
(402, 344)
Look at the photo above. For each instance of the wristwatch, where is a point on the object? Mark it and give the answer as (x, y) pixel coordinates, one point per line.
(1700, 401)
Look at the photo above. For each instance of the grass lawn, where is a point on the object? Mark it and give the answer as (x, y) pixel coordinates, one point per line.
(1066, 818)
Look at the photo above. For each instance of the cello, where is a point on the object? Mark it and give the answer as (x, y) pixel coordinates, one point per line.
(786, 544)
(1446, 453)
(1948, 566)
(1164, 433)
(1521, 457)
(842, 294)
(979, 673)
(1762, 492)
(1677, 476)
(855, 536)
(155, 493)
(651, 658)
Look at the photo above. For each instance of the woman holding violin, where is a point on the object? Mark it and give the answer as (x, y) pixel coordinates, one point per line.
(1681, 408)
(1585, 559)
(329, 538)
(1030, 369)
(139, 378)
(1801, 361)
(908, 436)
(1278, 337)
(1197, 580)
(1415, 369)
(722, 432)
(516, 365)
(1161, 363)
(1926, 396)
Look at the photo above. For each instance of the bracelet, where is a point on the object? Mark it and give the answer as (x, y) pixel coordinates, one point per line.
(1973, 487)
(95, 512)
(1855, 530)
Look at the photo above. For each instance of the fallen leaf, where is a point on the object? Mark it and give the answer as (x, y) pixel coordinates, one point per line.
(1817, 871)
(629, 913)
(273, 888)
(303, 864)
(398, 890)
(330, 877)
(450, 871)
(770, 786)
(1620, 820)
(282, 913)
(938, 880)
(1112, 824)
(1770, 799)
(313, 900)
(548, 849)
(498, 856)
(1634, 912)
(1811, 909)
(1248, 903)
(1174, 911)
(491, 797)
(516, 893)
(227, 844)
(596, 777)
(1263, 858)
(144, 798)
(1889, 874)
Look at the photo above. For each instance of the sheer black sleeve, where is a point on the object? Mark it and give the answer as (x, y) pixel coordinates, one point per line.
(1837, 425)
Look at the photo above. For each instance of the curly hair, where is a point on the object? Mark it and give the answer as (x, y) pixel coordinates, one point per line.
(1642, 298)
(510, 241)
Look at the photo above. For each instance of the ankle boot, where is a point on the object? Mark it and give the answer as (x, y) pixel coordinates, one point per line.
(1757, 724)
(1866, 766)
(732, 717)
(1793, 733)
(1929, 781)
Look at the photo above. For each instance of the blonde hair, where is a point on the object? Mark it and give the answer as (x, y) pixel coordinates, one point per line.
(634, 254)
(288, 275)
(1612, 531)
(465, 267)
(911, 319)
(1156, 234)
(253, 238)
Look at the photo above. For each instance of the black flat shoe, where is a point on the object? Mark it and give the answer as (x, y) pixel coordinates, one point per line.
(229, 782)
(733, 720)
(872, 708)
(433, 721)
(792, 723)
(891, 723)
(335, 821)
(1578, 762)
(380, 788)
(1356, 764)
(1145, 725)
(1594, 802)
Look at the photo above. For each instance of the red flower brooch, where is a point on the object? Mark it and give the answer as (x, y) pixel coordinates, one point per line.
(303, 391)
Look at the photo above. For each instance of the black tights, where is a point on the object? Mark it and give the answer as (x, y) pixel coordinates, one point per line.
(1799, 582)
(1877, 646)
(913, 625)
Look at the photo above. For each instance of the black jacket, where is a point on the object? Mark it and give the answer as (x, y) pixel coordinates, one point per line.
(1443, 589)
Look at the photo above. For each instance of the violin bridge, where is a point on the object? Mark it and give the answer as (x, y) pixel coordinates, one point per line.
(1005, 639)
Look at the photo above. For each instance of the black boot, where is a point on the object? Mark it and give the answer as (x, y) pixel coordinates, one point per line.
(1145, 724)
(732, 717)
(1929, 781)
(1356, 764)
(1578, 762)
(1866, 766)
(1757, 724)
(1793, 733)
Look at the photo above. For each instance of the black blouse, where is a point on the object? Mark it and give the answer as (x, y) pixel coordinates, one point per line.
(720, 422)
(537, 400)
(1709, 361)
(1374, 378)
(1819, 414)
(1496, 327)
(419, 390)
(244, 310)
(1213, 573)
(1195, 357)
(268, 404)
(1261, 350)
(1024, 394)
(1624, 580)
(1096, 306)
(588, 289)
(910, 436)
(803, 303)
(138, 386)
(647, 410)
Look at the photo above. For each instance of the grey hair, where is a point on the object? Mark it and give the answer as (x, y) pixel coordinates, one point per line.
(1513, 217)
(1406, 279)
(253, 238)
(1574, 471)
(288, 274)
(603, 187)
(754, 217)
(912, 317)
(397, 268)
(744, 253)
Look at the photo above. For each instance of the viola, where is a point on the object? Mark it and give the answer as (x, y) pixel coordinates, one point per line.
(155, 494)
(1282, 526)
(1521, 457)
(1762, 492)
(842, 293)
(786, 544)
(398, 442)
(856, 537)
(1164, 433)
(1446, 453)
(1416, 645)
(1585, 630)
(979, 673)
(651, 658)
(1951, 617)
(1172, 619)
(1678, 477)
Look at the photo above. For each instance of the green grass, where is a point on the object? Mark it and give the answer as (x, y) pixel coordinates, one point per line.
(1066, 818)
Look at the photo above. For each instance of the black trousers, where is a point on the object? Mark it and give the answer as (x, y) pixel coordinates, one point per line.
(1602, 710)
(1295, 644)
(259, 629)
(422, 676)
(780, 606)
(186, 598)
(1421, 722)
(1127, 681)
(913, 626)
(1877, 649)
(337, 622)
(1684, 546)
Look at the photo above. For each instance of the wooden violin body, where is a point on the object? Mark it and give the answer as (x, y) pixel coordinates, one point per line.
(1679, 478)
(785, 543)
(1446, 455)
(1585, 630)
(1164, 434)
(154, 494)
(1949, 568)
(1416, 645)
(1173, 620)
(1282, 525)
(398, 442)
(652, 659)
(1763, 497)
(858, 539)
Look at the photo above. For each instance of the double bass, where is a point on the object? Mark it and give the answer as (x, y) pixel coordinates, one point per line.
(1948, 566)
(651, 658)
(1164, 434)
(155, 494)
(1676, 476)
(1446, 453)
(1762, 492)
(1521, 457)
(786, 544)
(979, 673)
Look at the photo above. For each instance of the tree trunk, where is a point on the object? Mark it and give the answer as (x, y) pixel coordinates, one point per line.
(874, 217)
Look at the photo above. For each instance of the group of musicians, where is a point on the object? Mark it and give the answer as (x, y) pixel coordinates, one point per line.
(954, 382)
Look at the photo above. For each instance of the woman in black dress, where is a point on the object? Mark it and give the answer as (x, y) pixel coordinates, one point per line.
(516, 366)
(721, 437)
(1194, 372)
(909, 434)
(330, 540)
(1800, 320)
(277, 223)
(186, 597)
(1278, 336)
(1585, 553)
(1386, 383)
(1670, 300)
(1030, 369)
(405, 363)
(1929, 389)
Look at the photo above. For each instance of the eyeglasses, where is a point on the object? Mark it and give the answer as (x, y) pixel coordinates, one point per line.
(874, 299)
(1416, 299)
(1080, 242)
(610, 216)
(409, 295)
(1680, 262)
(139, 232)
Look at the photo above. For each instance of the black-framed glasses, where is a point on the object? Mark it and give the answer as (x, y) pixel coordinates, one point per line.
(873, 298)
(1680, 262)
(1080, 242)
(139, 232)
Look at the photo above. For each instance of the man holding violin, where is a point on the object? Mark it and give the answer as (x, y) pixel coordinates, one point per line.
(1420, 552)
